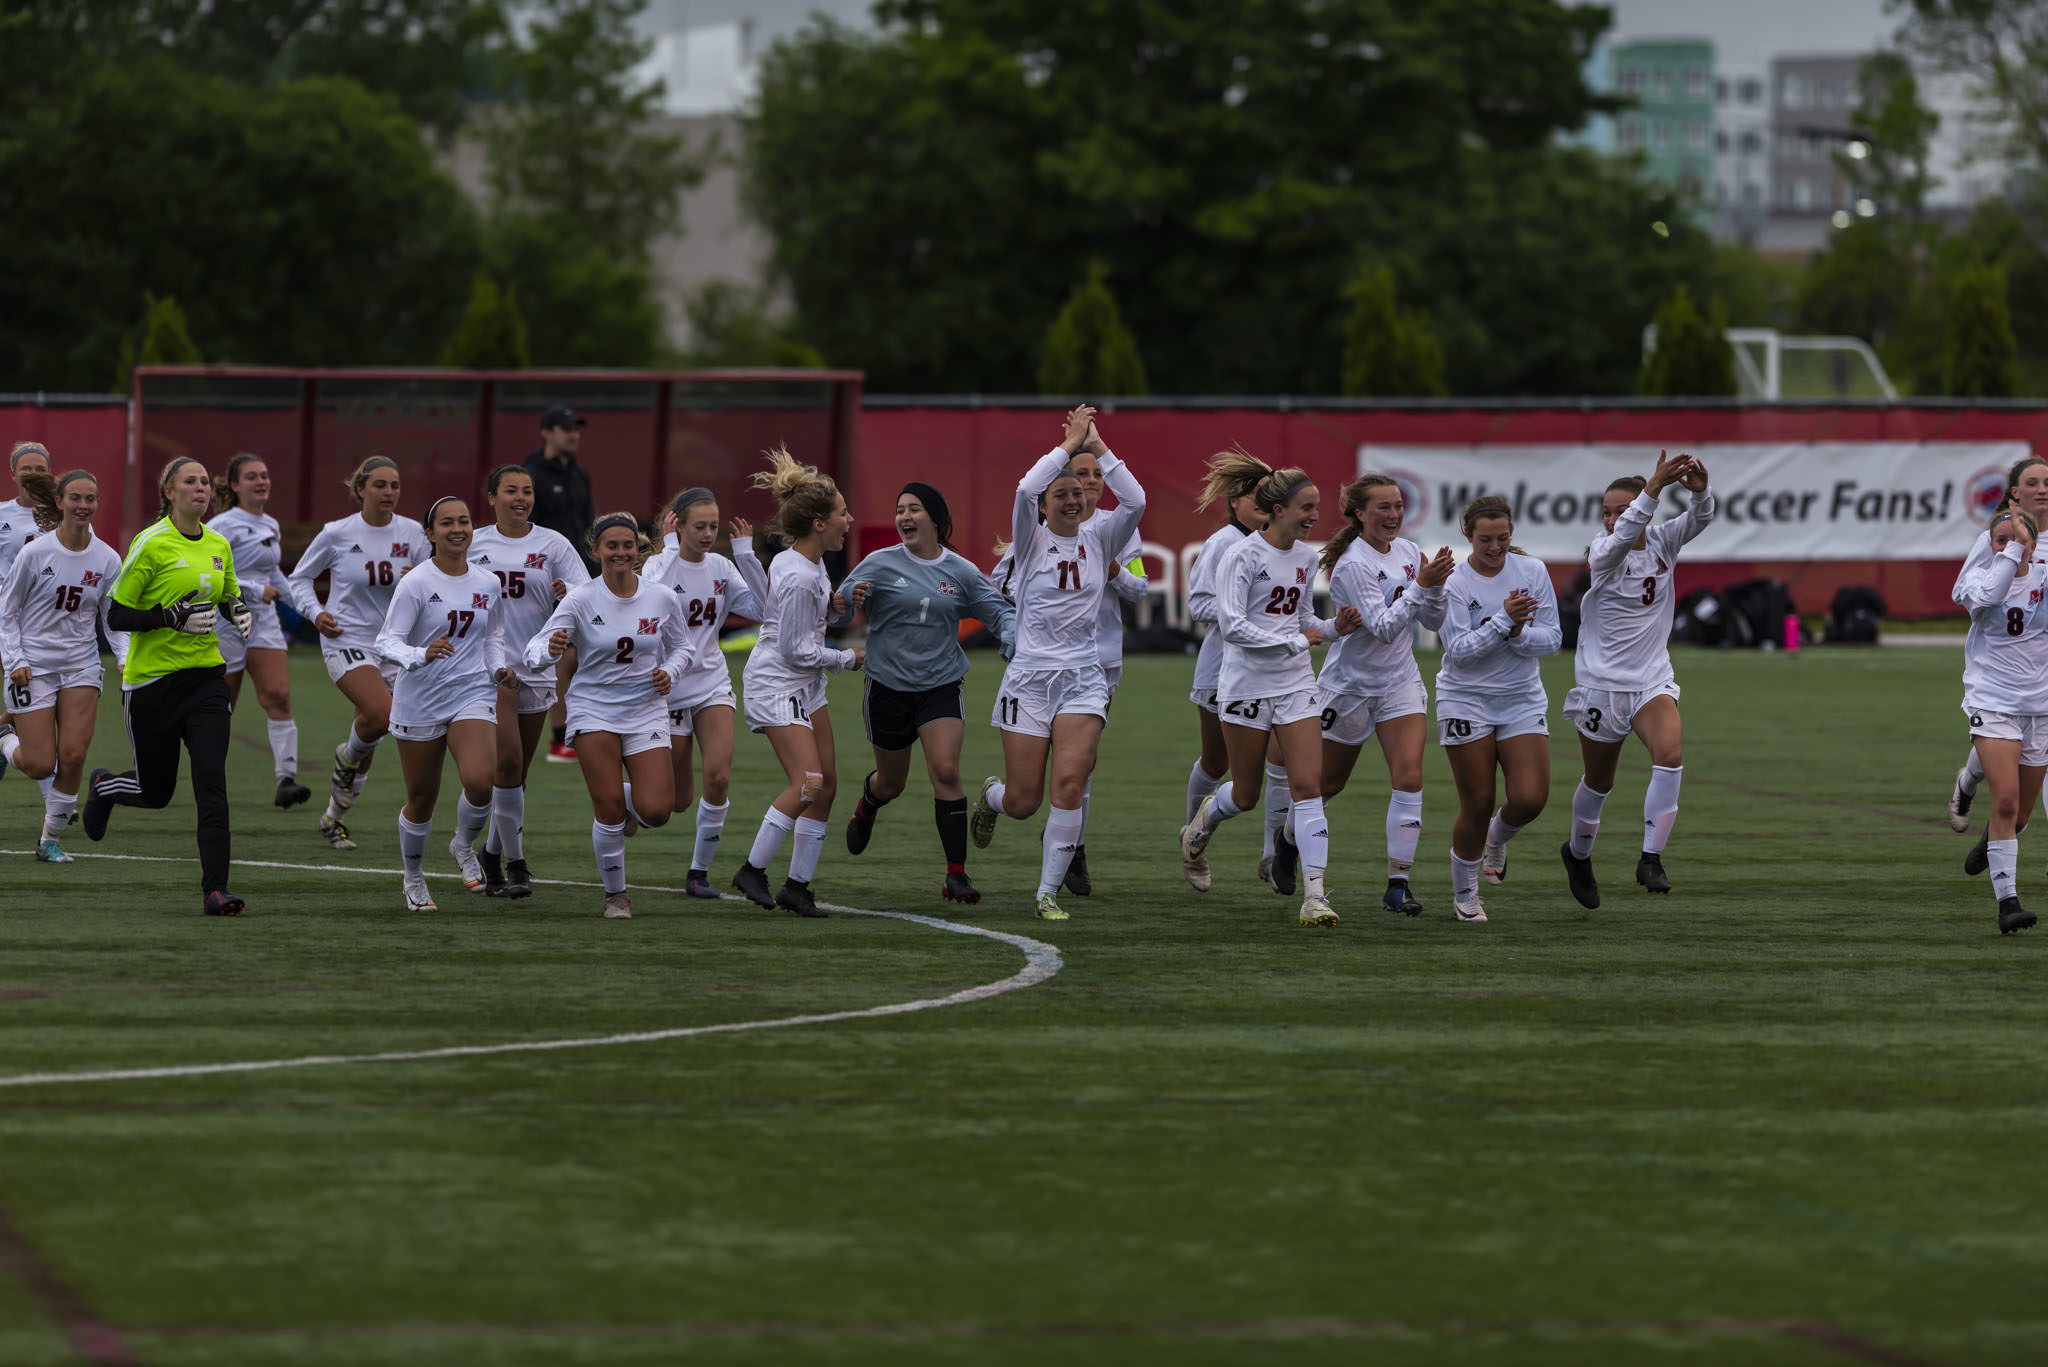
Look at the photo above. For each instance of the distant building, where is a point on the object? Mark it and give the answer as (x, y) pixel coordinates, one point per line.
(1742, 151)
(1671, 122)
(1812, 99)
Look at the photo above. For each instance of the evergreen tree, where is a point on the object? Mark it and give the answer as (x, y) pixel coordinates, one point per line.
(1388, 353)
(1088, 351)
(161, 338)
(1980, 341)
(1692, 358)
(491, 335)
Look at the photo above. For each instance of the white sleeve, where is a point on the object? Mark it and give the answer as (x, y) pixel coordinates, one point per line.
(1202, 587)
(1131, 585)
(13, 604)
(318, 557)
(117, 639)
(1024, 510)
(1698, 514)
(1130, 500)
(1610, 550)
(740, 595)
(799, 648)
(537, 655)
(1986, 585)
(1386, 619)
(1543, 633)
(398, 623)
(569, 566)
(753, 574)
(1464, 643)
(494, 639)
(661, 563)
(675, 657)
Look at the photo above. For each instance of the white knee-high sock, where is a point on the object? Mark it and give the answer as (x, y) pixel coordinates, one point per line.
(412, 844)
(1404, 829)
(1201, 783)
(608, 843)
(775, 828)
(2005, 867)
(355, 749)
(47, 786)
(997, 792)
(1586, 808)
(57, 809)
(1062, 833)
(469, 820)
(1499, 831)
(1224, 807)
(508, 822)
(1973, 771)
(1464, 878)
(1660, 807)
(284, 747)
(710, 827)
(808, 846)
(1278, 800)
(1312, 837)
(1087, 791)
(9, 745)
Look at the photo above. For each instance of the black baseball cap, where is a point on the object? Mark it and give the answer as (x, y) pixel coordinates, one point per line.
(559, 416)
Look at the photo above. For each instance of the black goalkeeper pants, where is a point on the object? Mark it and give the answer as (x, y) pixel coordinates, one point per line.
(188, 708)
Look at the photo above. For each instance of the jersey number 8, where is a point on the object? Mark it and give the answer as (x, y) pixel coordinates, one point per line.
(2015, 621)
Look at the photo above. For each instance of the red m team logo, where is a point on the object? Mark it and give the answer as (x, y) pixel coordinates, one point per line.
(537, 561)
(92, 579)
(482, 600)
(1300, 575)
(650, 626)
(718, 588)
(401, 550)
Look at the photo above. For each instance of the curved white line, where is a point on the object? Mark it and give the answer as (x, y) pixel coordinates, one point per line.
(1041, 961)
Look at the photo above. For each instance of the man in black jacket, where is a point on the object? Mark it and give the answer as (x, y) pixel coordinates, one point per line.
(561, 487)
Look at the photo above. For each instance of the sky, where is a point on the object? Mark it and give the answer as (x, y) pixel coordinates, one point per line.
(1751, 32)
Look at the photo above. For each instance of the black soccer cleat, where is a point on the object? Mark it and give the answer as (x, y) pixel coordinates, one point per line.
(1586, 888)
(797, 897)
(518, 882)
(221, 902)
(1979, 857)
(291, 792)
(1650, 873)
(97, 808)
(1077, 873)
(753, 883)
(859, 829)
(1286, 864)
(958, 889)
(1399, 899)
(494, 873)
(2012, 916)
(698, 884)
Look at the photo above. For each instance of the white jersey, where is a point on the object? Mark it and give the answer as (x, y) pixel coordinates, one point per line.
(1625, 617)
(17, 529)
(619, 643)
(1380, 656)
(1264, 597)
(53, 601)
(711, 590)
(363, 565)
(428, 604)
(1482, 663)
(790, 655)
(254, 538)
(526, 568)
(2005, 656)
(1058, 582)
(1125, 587)
(1202, 601)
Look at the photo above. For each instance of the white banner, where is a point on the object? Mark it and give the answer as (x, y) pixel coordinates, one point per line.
(1880, 500)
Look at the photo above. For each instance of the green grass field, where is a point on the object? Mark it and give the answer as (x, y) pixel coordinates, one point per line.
(1786, 1115)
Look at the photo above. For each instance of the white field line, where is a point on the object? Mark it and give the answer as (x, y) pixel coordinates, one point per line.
(1041, 962)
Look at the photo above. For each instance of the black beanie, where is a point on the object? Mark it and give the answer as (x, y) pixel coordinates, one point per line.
(935, 504)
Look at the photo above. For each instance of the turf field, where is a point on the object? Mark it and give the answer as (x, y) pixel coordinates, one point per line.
(1786, 1115)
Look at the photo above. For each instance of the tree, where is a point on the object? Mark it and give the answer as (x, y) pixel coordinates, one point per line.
(161, 338)
(732, 324)
(1980, 341)
(491, 335)
(1691, 357)
(2001, 48)
(1861, 285)
(1088, 350)
(1388, 353)
(1899, 129)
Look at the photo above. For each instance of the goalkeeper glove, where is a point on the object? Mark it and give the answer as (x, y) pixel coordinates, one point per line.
(189, 615)
(239, 617)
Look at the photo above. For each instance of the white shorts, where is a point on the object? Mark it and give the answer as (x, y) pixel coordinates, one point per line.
(40, 692)
(1204, 698)
(1605, 715)
(1027, 700)
(1263, 714)
(485, 710)
(1459, 722)
(534, 697)
(1113, 675)
(341, 657)
(1349, 718)
(765, 709)
(640, 728)
(2031, 731)
(683, 707)
(266, 632)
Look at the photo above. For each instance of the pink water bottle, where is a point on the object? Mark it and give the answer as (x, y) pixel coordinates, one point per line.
(1791, 631)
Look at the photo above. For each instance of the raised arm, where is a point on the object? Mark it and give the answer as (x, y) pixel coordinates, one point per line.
(398, 624)
(1130, 500)
(1695, 519)
(1543, 633)
(753, 575)
(1611, 548)
(1985, 585)
(319, 557)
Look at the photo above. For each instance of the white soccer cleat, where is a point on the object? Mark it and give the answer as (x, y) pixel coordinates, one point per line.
(1194, 842)
(1493, 864)
(618, 907)
(1474, 910)
(341, 784)
(1959, 800)
(1316, 911)
(981, 824)
(336, 833)
(472, 868)
(417, 898)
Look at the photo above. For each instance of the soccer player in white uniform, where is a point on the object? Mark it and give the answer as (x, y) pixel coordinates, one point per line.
(701, 705)
(1500, 619)
(1241, 503)
(242, 492)
(2026, 485)
(1266, 688)
(363, 555)
(1623, 666)
(784, 682)
(535, 567)
(2005, 695)
(18, 527)
(51, 601)
(1054, 695)
(443, 630)
(1370, 683)
(627, 632)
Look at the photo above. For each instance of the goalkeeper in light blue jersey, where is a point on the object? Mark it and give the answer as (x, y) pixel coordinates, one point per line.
(915, 595)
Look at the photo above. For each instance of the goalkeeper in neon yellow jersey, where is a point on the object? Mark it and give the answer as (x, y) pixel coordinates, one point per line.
(176, 584)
